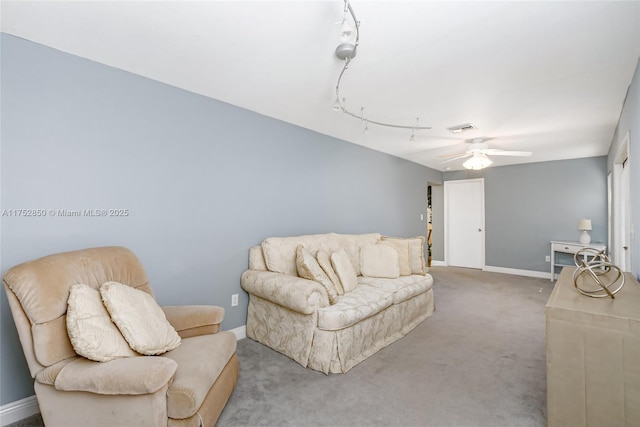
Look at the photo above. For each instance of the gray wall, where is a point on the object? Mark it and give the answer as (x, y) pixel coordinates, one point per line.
(526, 206)
(203, 181)
(630, 122)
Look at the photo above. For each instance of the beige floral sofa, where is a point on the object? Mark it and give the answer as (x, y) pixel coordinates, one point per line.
(329, 301)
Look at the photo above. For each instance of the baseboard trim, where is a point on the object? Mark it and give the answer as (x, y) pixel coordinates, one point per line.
(240, 331)
(518, 272)
(18, 410)
(438, 263)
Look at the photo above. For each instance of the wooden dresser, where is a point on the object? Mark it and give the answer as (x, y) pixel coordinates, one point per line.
(593, 356)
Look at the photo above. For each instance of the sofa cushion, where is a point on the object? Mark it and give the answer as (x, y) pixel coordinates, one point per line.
(344, 270)
(402, 288)
(256, 259)
(353, 307)
(131, 375)
(351, 243)
(139, 318)
(402, 247)
(91, 331)
(200, 361)
(308, 268)
(324, 259)
(379, 261)
(416, 253)
(280, 252)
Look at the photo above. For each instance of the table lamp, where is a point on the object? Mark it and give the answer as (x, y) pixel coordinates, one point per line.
(584, 225)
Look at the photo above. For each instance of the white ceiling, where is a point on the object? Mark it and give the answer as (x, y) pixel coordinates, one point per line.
(547, 77)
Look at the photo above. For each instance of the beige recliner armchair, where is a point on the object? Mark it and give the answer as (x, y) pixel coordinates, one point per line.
(188, 386)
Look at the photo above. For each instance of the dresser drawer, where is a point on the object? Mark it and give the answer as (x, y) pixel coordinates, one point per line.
(566, 247)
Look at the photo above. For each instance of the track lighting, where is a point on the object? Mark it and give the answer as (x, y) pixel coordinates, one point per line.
(346, 30)
(336, 105)
(415, 129)
(346, 51)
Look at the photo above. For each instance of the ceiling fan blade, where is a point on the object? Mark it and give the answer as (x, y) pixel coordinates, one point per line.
(451, 156)
(457, 157)
(496, 152)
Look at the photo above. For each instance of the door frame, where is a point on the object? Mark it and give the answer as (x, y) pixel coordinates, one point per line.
(621, 207)
(446, 220)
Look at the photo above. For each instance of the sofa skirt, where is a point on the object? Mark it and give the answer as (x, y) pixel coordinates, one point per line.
(297, 336)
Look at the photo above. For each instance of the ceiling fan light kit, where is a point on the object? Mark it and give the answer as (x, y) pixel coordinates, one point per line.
(479, 152)
(477, 161)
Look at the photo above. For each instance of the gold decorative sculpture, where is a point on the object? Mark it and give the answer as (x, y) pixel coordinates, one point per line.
(596, 275)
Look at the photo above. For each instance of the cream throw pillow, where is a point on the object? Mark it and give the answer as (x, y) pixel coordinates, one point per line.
(139, 318)
(308, 268)
(416, 253)
(379, 261)
(344, 270)
(402, 247)
(92, 333)
(324, 259)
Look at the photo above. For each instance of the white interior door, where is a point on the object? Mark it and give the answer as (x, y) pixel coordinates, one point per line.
(464, 223)
(621, 245)
(625, 220)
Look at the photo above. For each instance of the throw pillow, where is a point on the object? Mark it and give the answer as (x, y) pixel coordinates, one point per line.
(139, 318)
(308, 268)
(324, 259)
(379, 261)
(416, 253)
(91, 331)
(402, 247)
(344, 270)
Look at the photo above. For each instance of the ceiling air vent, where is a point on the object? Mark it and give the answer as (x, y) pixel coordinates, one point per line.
(462, 128)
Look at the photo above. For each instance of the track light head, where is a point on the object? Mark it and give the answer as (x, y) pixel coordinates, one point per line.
(346, 51)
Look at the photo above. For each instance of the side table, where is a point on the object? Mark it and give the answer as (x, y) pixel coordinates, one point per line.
(569, 248)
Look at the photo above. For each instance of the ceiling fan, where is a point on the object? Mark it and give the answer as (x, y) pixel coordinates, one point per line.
(478, 151)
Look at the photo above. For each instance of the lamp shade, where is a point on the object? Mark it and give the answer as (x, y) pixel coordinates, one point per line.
(584, 224)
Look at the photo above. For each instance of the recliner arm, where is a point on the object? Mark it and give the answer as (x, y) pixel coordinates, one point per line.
(194, 320)
(131, 375)
(295, 293)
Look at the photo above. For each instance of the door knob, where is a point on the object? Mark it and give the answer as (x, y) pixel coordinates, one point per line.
(479, 229)
(625, 247)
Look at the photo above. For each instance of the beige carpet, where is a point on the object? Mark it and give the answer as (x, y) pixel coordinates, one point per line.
(478, 361)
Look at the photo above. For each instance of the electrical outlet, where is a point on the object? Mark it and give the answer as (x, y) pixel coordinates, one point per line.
(234, 300)
(547, 258)
(421, 217)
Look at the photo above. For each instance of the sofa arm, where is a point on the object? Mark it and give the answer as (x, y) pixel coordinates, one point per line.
(131, 375)
(194, 320)
(295, 293)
